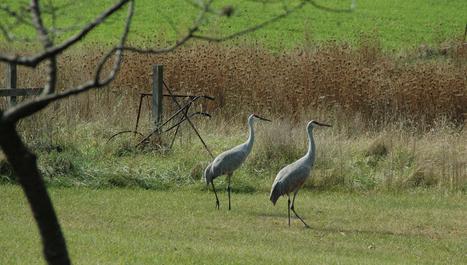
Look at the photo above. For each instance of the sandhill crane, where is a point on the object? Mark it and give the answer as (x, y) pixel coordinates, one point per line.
(227, 162)
(293, 176)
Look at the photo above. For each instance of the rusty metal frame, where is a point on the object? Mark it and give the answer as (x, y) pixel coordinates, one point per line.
(186, 117)
(174, 99)
(184, 110)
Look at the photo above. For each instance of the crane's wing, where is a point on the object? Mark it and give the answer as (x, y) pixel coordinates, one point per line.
(228, 161)
(208, 176)
(289, 179)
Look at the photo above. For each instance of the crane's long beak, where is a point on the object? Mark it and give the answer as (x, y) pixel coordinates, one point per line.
(261, 118)
(323, 124)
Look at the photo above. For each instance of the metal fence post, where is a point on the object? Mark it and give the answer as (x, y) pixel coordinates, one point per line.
(157, 87)
(11, 81)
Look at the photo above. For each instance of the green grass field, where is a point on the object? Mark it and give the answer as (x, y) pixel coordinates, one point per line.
(397, 23)
(124, 226)
(387, 196)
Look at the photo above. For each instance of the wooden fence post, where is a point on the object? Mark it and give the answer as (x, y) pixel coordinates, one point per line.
(157, 88)
(11, 81)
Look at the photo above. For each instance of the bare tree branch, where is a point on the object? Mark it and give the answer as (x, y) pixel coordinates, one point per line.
(47, 43)
(39, 24)
(182, 40)
(52, 76)
(312, 2)
(196, 26)
(52, 8)
(38, 58)
(167, 49)
(54, 11)
(253, 28)
(201, 5)
(27, 108)
(256, 27)
(24, 162)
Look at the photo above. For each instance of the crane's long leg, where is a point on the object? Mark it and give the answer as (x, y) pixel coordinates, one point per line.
(293, 210)
(215, 193)
(229, 176)
(288, 207)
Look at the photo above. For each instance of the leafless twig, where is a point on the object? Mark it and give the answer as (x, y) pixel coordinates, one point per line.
(33, 61)
(253, 28)
(27, 108)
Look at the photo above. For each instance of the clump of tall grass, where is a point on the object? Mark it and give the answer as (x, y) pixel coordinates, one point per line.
(353, 160)
(392, 159)
(276, 145)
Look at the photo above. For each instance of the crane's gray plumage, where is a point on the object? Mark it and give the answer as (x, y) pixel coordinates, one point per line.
(227, 162)
(292, 177)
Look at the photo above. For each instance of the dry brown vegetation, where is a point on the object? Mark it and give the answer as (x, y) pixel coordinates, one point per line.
(398, 122)
(348, 82)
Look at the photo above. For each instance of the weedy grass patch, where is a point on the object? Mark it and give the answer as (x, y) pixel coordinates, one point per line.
(391, 160)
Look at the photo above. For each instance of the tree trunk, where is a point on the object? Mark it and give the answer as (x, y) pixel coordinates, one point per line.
(24, 164)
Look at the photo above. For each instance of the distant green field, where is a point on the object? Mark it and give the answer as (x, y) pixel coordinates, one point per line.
(124, 226)
(398, 24)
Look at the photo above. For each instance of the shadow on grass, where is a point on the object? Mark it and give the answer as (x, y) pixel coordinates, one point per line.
(373, 232)
(344, 231)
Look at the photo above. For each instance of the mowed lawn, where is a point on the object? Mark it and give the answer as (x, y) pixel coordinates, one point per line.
(136, 226)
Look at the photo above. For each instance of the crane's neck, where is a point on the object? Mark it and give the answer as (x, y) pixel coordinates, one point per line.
(251, 135)
(310, 155)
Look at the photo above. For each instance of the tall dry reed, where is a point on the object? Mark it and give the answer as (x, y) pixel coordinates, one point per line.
(349, 82)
